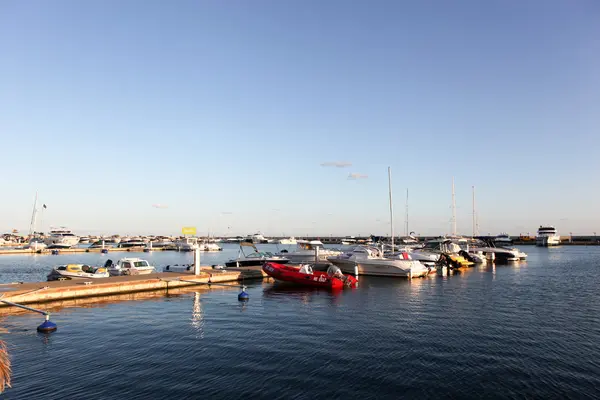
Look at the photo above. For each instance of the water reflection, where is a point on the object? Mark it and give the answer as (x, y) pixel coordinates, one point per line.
(197, 316)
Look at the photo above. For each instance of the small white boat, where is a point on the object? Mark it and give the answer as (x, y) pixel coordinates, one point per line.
(129, 266)
(254, 259)
(288, 241)
(306, 252)
(77, 271)
(206, 246)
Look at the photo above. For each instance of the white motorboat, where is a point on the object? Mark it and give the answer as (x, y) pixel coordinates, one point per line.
(208, 246)
(254, 259)
(499, 254)
(61, 238)
(36, 244)
(369, 261)
(77, 271)
(187, 244)
(288, 241)
(160, 243)
(306, 252)
(129, 266)
(426, 258)
(99, 244)
(547, 236)
(130, 243)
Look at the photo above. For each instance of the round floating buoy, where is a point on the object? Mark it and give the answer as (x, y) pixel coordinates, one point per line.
(147, 250)
(104, 251)
(54, 252)
(243, 296)
(47, 326)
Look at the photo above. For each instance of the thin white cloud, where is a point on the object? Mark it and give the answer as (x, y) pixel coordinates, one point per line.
(160, 205)
(337, 164)
(356, 175)
(226, 212)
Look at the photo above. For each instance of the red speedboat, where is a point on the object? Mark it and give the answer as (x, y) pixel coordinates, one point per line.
(305, 276)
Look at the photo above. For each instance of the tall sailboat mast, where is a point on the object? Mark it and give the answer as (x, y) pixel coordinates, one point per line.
(33, 215)
(406, 217)
(474, 216)
(453, 210)
(391, 207)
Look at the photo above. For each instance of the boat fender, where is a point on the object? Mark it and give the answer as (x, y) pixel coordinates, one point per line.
(167, 267)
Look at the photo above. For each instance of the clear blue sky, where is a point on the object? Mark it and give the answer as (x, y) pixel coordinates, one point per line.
(224, 111)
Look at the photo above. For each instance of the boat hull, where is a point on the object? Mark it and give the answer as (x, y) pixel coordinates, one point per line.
(317, 279)
(55, 276)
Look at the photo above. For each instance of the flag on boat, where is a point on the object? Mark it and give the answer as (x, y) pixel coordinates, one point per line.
(45, 206)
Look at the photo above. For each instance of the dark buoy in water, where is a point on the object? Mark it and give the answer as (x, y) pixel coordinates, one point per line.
(47, 326)
(243, 296)
(54, 252)
(104, 251)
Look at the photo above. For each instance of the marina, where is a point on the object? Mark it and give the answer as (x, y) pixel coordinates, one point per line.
(437, 319)
(299, 200)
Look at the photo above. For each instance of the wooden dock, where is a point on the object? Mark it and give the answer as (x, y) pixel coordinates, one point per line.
(42, 292)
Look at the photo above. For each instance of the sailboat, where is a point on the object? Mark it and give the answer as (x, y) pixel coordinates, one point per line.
(35, 243)
(368, 260)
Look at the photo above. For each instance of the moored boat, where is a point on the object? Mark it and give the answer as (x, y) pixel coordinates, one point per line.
(77, 271)
(129, 266)
(254, 259)
(305, 276)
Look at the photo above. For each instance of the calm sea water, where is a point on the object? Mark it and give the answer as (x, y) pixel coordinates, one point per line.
(523, 330)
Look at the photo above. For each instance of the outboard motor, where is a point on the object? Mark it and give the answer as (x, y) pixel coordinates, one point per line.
(334, 272)
(108, 264)
(466, 255)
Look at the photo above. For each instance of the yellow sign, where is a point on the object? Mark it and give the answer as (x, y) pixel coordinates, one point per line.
(188, 230)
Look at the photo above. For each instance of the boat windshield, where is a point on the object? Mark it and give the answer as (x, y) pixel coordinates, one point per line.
(260, 254)
(141, 264)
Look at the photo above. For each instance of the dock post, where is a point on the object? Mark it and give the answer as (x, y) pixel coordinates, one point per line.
(317, 255)
(197, 261)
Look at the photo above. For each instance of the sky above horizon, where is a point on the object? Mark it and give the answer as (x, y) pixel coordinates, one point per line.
(139, 117)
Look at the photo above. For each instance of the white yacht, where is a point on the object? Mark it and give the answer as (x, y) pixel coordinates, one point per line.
(257, 238)
(288, 241)
(61, 238)
(370, 261)
(547, 236)
(307, 250)
(186, 244)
